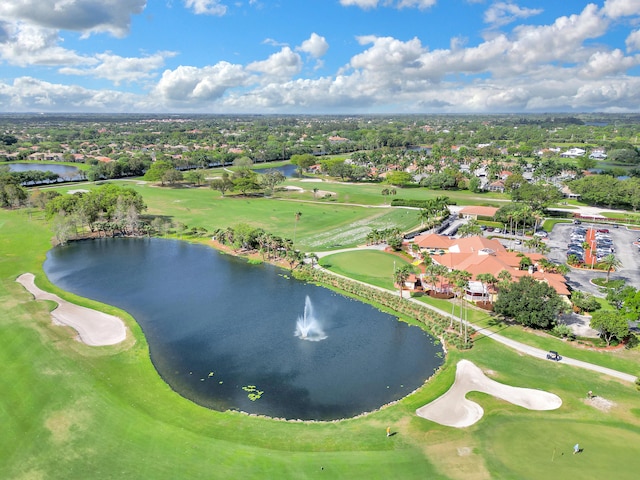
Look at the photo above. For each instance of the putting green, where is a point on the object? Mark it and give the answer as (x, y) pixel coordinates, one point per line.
(371, 266)
(525, 448)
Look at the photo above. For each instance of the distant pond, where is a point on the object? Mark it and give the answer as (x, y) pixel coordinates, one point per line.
(67, 173)
(288, 171)
(225, 334)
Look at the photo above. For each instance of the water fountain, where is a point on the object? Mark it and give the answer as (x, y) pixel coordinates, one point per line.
(307, 326)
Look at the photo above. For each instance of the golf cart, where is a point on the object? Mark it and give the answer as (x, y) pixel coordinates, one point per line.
(553, 356)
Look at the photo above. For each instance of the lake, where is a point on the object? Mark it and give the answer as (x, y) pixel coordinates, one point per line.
(221, 332)
(288, 171)
(66, 172)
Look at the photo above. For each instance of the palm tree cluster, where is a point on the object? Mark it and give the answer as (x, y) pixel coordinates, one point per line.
(271, 247)
(434, 210)
(375, 237)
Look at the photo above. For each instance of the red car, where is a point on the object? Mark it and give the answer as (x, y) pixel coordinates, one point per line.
(603, 230)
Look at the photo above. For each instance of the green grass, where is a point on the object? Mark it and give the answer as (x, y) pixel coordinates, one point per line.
(370, 266)
(371, 193)
(549, 223)
(72, 411)
(320, 227)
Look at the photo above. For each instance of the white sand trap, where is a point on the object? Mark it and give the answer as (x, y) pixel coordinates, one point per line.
(294, 189)
(454, 410)
(323, 193)
(94, 328)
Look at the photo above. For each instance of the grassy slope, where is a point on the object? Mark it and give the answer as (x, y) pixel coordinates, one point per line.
(70, 411)
(371, 266)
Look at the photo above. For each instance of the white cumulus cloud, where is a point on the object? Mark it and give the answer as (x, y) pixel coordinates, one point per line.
(602, 64)
(315, 45)
(87, 16)
(119, 69)
(26, 44)
(206, 7)
(367, 4)
(633, 41)
(192, 85)
(621, 8)
(503, 13)
(31, 94)
(281, 65)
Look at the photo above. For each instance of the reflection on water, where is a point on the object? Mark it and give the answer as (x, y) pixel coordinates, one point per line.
(66, 172)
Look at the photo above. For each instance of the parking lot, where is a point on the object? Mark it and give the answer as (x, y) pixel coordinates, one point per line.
(625, 251)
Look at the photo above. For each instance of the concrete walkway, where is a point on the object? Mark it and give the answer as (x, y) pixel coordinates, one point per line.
(533, 351)
(538, 353)
(380, 246)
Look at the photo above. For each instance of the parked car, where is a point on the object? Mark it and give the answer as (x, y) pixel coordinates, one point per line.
(541, 234)
(553, 355)
(577, 222)
(602, 230)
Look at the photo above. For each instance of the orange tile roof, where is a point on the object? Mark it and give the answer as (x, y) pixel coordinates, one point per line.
(477, 243)
(470, 254)
(433, 240)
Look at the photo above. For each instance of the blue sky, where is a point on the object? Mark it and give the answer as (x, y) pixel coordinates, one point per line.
(319, 56)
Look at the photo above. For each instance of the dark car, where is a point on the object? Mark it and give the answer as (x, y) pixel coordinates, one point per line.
(553, 356)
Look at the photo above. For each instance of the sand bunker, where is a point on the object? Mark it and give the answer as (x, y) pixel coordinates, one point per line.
(454, 410)
(94, 328)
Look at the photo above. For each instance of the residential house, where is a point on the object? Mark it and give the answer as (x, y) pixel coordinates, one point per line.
(472, 211)
(573, 153)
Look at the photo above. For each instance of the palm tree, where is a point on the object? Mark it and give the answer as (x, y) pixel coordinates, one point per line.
(432, 274)
(610, 262)
(401, 274)
(298, 215)
(385, 192)
(526, 215)
(462, 283)
(313, 257)
(469, 229)
(504, 277)
(427, 261)
(533, 243)
(434, 207)
(543, 248)
(486, 279)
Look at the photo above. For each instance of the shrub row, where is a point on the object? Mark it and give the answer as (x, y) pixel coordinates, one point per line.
(408, 202)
